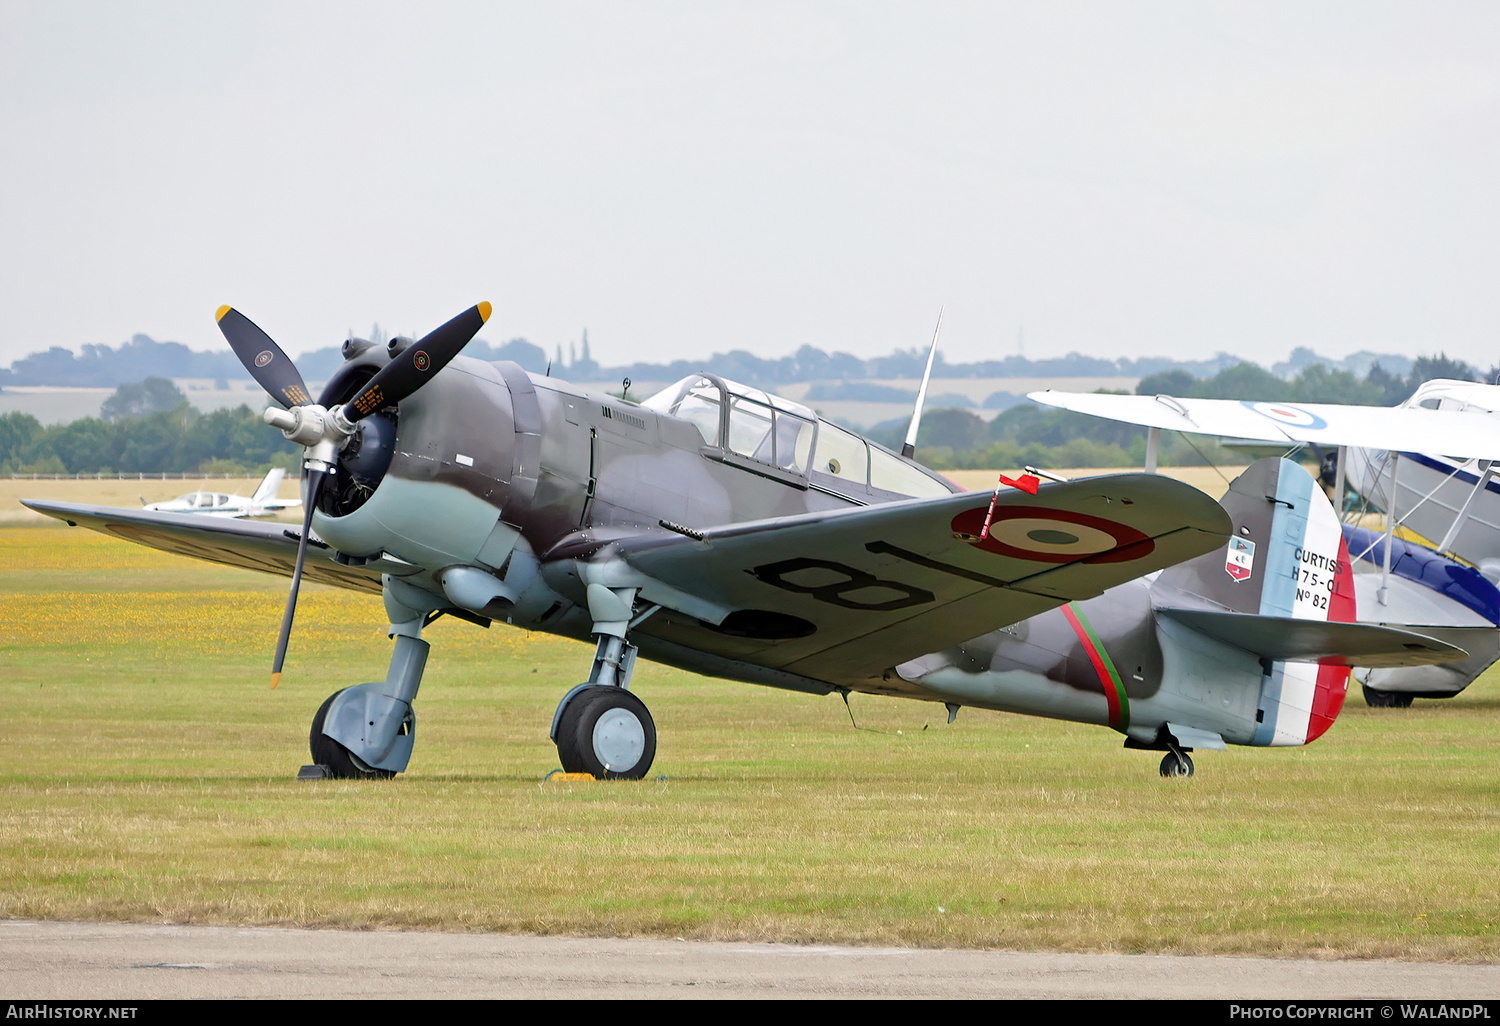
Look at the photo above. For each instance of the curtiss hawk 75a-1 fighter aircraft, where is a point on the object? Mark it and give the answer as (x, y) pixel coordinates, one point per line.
(725, 530)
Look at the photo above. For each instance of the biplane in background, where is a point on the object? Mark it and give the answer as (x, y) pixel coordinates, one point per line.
(1399, 580)
(1451, 499)
(722, 529)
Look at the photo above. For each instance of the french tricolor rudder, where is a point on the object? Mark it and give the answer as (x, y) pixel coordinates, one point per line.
(1333, 681)
(1309, 578)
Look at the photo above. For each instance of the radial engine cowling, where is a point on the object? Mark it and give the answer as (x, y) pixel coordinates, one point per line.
(427, 482)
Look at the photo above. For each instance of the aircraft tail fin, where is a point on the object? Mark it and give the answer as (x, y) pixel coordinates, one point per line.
(1282, 590)
(269, 486)
(1285, 557)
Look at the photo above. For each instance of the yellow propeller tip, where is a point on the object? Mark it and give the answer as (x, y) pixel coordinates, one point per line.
(484, 311)
(275, 679)
(222, 311)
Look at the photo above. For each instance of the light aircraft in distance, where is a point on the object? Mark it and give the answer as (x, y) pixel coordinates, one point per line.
(731, 532)
(218, 504)
(1398, 580)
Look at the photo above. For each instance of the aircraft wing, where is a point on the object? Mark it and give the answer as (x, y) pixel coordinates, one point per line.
(845, 595)
(269, 548)
(1403, 429)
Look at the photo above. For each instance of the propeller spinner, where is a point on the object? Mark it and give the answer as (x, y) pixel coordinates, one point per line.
(323, 432)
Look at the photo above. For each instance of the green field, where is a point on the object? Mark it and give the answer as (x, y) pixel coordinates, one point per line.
(148, 774)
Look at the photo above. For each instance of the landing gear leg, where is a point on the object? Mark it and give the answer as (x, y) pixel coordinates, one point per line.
(600, 728)
(367, 731)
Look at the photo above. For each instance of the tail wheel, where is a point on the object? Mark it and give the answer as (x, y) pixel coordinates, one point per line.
(1387, 699)
(607, 732)
(341, 762)
(1177, 764)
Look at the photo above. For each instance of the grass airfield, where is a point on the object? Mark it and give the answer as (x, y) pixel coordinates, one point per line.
(148, 775)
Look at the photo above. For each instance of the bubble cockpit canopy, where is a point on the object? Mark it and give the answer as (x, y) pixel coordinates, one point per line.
(749, 424)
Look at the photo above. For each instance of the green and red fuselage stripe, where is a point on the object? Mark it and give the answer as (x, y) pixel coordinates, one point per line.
(1109, 678)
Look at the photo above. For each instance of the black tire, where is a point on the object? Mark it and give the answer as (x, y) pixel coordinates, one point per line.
(1387, 699)
(341, 762)
(1177, 764)
(567, 723)
(621, 748)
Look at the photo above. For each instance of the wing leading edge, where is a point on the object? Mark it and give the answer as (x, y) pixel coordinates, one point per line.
(836, 597)
(269, 548)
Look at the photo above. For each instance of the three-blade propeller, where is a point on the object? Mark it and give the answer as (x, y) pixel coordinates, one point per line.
(323, 432)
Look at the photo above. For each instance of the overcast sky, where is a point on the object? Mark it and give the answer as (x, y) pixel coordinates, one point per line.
(1120, 179)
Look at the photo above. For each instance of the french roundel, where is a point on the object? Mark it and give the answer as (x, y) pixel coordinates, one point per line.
(1285, 413)
(1052, 535)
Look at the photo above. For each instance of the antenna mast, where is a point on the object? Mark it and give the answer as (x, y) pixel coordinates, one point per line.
(910, 447)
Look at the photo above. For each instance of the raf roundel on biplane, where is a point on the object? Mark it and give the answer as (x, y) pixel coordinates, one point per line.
(726, 530)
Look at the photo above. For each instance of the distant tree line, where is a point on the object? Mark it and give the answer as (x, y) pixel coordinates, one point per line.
(142, 357)
(1032, 435)
(1315, 384)
(147, 427)
(874, 392)
(100, 366)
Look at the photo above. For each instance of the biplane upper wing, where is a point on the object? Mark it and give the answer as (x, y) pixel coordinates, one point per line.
(847, 594)
(1463, 435)
(268, 547)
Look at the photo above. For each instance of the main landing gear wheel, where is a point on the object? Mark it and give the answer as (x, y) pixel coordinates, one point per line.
(1387, 699)
(1177, 764)
(607, 732)
(341, 762)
